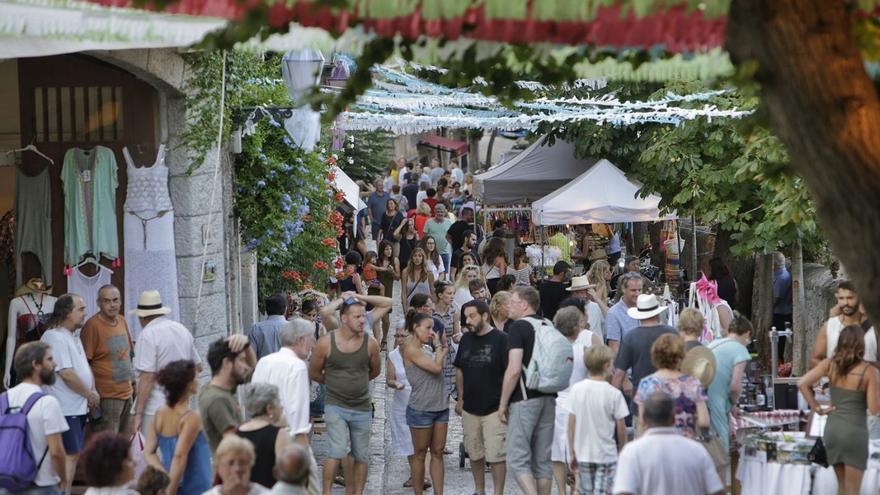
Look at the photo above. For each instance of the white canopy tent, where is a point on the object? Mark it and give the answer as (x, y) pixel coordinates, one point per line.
(349, 188)
(537, 171)
(602, 194)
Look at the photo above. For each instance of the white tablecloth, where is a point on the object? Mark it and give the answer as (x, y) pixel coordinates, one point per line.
(758, 478)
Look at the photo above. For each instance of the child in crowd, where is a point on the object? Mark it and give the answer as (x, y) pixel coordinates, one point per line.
(598, 409)
(371, 276)
(152, 482)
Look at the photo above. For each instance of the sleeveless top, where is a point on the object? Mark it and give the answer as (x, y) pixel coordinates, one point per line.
(347, 376)
(832, 333)
(147, 186)
(264, 446)
(413, 287)
(198, 476)
(846, 432)
(428, 389)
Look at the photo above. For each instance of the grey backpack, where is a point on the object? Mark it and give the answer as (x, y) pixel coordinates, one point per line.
(549, 371)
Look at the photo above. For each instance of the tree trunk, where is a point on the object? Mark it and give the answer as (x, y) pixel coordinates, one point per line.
(762, 305)
(491, 145)
(824, 107)
(798, 348)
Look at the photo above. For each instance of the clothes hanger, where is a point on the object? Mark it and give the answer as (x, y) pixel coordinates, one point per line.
(31, 147)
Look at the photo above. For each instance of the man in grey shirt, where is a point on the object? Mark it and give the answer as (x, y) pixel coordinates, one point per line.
(376, 206)
(635, 349)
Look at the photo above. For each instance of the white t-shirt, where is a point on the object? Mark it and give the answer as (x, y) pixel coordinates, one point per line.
(289, 373)
(871, 345)
(161, 342)
(462, 297)
(68, 352)
(662, 461)
(255, 489)
(44, 419)
(596, 406)
(596, 319)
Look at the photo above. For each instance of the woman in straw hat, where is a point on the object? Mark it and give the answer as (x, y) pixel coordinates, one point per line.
(691, 411)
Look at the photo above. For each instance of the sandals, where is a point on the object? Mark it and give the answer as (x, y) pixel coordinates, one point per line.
(408, 484)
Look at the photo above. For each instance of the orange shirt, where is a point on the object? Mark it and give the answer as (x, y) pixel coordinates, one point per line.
(420, 222)
(108, 349)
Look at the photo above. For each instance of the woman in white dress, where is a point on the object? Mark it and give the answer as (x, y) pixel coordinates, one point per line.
(395, 378)
(569, 317)
(462, 284)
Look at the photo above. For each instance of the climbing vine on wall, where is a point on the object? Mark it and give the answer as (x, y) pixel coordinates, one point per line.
(286, 204)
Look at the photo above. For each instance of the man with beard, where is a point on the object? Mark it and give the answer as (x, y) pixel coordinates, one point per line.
(850, 314)
(480, 364)
(231, 360)
(107, 343)
(75, 390)
(35, 365)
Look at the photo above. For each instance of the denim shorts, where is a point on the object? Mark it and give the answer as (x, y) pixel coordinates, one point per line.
(73, 438)
(349, 432)
(425, 419)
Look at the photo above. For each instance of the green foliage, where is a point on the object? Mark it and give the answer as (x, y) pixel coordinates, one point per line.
(246, 73)
(364, 155)
(286, 205)
(728, 173)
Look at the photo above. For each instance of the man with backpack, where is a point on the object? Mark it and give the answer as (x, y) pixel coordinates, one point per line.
(539, 364)
(32, 460)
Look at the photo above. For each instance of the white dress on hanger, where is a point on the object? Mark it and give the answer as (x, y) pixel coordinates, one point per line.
(149, 259)
(87, 287)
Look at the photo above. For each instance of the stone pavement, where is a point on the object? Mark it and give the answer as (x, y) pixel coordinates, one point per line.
(387, 472)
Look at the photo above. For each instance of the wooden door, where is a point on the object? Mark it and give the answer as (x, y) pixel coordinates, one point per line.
(72, 101)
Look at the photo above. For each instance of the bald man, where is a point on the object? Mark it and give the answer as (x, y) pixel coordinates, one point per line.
(293, 470)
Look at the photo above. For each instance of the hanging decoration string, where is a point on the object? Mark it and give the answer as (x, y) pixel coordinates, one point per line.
(214, 185)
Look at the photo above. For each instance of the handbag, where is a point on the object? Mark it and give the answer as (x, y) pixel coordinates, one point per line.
(817, 454)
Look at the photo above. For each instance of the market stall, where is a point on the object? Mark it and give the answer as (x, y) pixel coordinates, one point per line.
(601, 195)
(537, 171)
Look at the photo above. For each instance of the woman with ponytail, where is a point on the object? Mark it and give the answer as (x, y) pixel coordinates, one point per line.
(427, 413)
(853, 391)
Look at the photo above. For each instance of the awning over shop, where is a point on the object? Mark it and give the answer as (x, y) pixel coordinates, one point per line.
(602, 194)
(536, 172)
(36, 28)
(457, 148)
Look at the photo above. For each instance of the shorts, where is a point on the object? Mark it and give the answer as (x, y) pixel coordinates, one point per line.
(425, 419)
(530, 437)
(596, 478)
(73, 437)
(348, 431)
(484, 437)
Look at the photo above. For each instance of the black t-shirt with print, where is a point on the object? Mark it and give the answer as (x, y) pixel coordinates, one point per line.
(482, 361)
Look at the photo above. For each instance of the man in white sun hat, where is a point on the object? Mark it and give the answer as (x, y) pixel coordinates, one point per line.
(161, 341)
(582, 289)
(635, 349)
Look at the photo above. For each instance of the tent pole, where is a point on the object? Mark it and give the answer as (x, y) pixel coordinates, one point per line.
(694, 246)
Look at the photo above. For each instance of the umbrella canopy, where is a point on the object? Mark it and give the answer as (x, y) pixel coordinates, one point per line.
(602, 194)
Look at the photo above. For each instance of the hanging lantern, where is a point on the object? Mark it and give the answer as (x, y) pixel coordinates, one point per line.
(301, 71)
(338, 78)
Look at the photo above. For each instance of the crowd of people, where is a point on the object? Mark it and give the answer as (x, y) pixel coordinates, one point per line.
(470, 339)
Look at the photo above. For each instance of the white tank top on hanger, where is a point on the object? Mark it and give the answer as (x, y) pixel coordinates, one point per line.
(87, 287)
